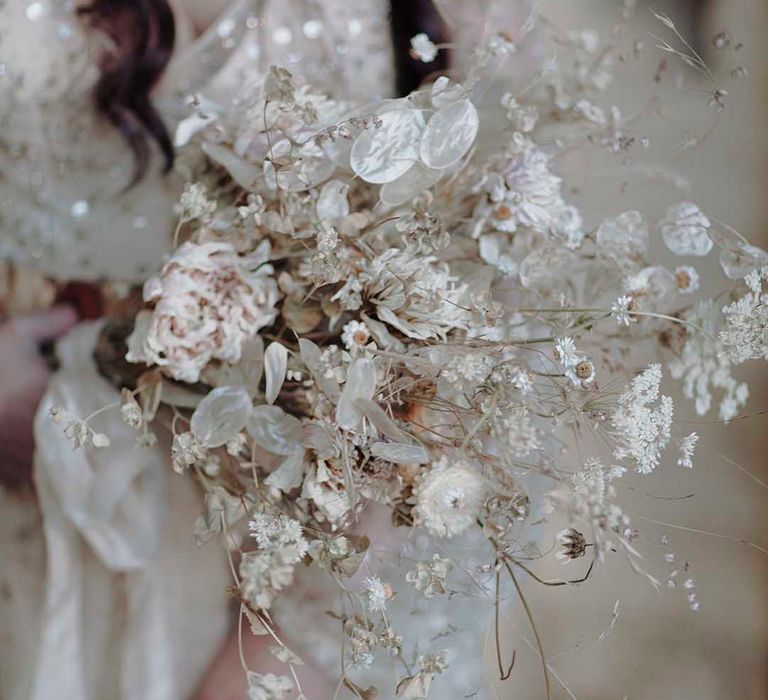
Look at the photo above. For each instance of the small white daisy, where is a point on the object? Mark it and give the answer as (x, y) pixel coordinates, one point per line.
(687, 279)
(355, 335)
(622, 310)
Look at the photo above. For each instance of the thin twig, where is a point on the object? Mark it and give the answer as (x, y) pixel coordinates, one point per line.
(529, 614)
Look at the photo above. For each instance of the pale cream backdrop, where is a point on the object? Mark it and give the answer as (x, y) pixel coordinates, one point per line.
(658, 649)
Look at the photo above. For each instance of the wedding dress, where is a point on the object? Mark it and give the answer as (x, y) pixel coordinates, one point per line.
(103, 593)
(129, 608)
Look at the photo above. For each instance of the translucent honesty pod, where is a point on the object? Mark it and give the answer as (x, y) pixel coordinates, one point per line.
(450, 133)
(410, 184)
(221, 415)
(332, 202)
(547, 266)
(624, 235)
(685, 230)
(383, 153)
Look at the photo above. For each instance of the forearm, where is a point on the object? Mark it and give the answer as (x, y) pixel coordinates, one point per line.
(226, 677)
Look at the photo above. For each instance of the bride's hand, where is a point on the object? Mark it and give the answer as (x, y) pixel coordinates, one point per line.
(23, 378)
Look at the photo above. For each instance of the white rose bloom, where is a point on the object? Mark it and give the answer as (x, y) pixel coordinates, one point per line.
(450, 498)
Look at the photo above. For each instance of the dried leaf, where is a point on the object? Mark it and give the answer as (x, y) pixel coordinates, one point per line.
(289, 474)
(310, 356)
(302, 317)
(274, 430)
(663, 19)
(361, 384)
(251, 364)
(275, 367)
(399, 453)
(180, 395)
(150, 393)
(369, 693)
(415, 687)
(245, 174)
(351, 564)
(219, 504)
(285, 655)
(257, 626)
(381, 421)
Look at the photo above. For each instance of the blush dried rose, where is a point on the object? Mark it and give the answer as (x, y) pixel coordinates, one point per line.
(208, 301)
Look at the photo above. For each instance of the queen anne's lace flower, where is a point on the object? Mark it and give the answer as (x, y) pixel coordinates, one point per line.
(277, 532)
(523, 117)
(704, 365)
(450, 497)
(592, 500)
(208, 301)
(263, 575)
(642, 421)
(268, 686)
(430, 576)
(523, 381)
(194, 203)
(745, 335)
(463, 372)
(376, 594)
(594, 479)
(687, 447)
(130, 412)
(361, 643)
(186, 451)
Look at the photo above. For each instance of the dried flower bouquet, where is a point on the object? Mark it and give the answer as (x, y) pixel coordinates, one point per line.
(371, 305)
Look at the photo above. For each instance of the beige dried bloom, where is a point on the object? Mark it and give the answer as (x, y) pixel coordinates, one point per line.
(208, 301)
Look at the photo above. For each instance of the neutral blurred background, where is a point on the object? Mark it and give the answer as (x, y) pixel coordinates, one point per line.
(658, 649)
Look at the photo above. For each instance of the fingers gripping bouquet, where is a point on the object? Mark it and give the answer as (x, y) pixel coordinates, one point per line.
(397, 303)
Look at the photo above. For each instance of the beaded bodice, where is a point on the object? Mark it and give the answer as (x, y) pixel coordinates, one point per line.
(64, 206)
